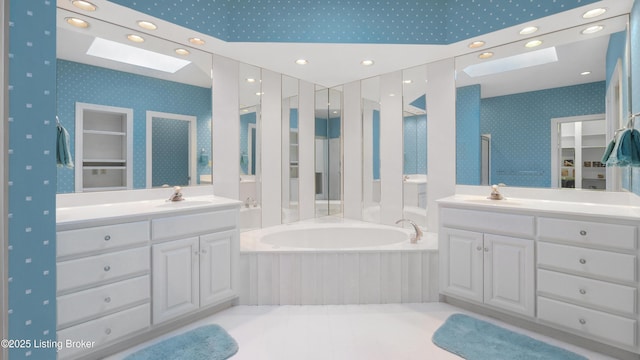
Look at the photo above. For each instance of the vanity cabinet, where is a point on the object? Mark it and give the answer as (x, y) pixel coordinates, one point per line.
(496, 270)
(192, 272)
(103, 283)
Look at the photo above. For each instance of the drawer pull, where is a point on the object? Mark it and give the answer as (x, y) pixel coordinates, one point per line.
(583, 321)
(583, 261)
(583, 233)
(107, 299)
(107, 238)
(107, 331)
(583, 291)
(479, 248)
(107, 268)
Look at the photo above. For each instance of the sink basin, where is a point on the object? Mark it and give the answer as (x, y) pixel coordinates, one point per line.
(184, 203)
(492, 202)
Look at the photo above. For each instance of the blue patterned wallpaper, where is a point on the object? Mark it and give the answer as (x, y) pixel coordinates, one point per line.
(32, 176)
(520, 129)
(89, 84)
(415, 144)
(170, 152)
(468, 135)
(350, 21)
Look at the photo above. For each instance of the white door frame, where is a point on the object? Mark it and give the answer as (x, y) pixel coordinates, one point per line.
(193, 143)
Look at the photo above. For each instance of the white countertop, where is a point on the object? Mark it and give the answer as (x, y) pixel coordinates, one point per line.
(137, 210)
(620, 212)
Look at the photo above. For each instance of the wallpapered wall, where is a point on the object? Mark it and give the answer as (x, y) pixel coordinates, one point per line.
(90, 84)
(170, 152)
(415, 144)
(351, 21)
(468, 135)
(32, 176)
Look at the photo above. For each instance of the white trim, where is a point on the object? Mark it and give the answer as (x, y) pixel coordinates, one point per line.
(615, 113)
(4, 192)
(79, 140)
(250, 128)
(193, 143)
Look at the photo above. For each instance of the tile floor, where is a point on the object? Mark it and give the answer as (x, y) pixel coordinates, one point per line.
(345, 332)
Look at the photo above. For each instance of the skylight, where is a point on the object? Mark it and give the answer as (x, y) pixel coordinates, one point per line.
(132, 55)
(521, 61)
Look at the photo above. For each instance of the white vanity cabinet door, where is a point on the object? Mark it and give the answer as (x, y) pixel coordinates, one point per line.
(215, 266)
(509, 273)
(462, 263)
(175, 278)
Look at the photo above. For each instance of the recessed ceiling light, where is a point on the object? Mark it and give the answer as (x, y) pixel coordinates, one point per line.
(135, 38)
(367, 62)
(485, 55)
(585, 73)
(133, 55)
(593, 13)
(251, 80)
(592, 29)
(533, 43)
(407, 81)
(147, 25)
(335, 111)
(476, 44)
(182, 52)
(528, 30)
(77, 22)
(84, 5)
(392, 94)
(259, 93)
(196, 41)
(302, 62)
(245, 110)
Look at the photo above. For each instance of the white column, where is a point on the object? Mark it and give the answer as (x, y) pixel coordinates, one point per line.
(225, 128)
(352, 140)
(391, 147)
(306, 151)
(441, 136)
(271, 148)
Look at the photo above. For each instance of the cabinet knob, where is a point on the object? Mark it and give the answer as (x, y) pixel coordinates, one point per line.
(486, 249)
(479, 248)
(583, 321)
(583, 261)
(107, 268)
(107, 331)
(107, 238)
(583, 232)
(203, 251)
(583, 291)
(107, 299)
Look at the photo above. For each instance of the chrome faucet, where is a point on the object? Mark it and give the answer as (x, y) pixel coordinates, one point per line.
(418, 235)
(177, 194)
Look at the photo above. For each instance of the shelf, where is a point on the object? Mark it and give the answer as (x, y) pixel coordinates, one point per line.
(101, 132)
(109, 188)
(104, 160)
(105, 167)
(593, 179)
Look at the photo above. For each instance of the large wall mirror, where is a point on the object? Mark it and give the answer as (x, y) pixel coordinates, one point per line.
(541, 111)
(290, 150)
(328, 151)
(370, 92)
(414, 161)
(149, 78)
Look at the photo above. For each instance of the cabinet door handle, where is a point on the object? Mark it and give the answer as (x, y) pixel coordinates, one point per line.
(583, 291)
(479, 248)
(196, 252)
(107, 238)
(107, 299)
(583, 261)
(583, 321)
(107, 331)
(486, 249)
(107, 268)
(203, 251)
(583, 232)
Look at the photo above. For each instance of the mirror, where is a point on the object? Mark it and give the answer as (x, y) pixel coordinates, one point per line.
(505, 104)
(250, 92)
(290, 193)
(328, 178)
(370, 92)
(415, 144)
(100, 81)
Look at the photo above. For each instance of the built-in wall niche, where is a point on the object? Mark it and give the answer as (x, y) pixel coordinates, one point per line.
(104, 148)
(290, 150)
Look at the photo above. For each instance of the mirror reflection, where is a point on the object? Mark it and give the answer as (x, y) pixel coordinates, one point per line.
(506, 105)
(370, 92)
(290, 149)
(415, 144)
(328, 178)
(103, 102)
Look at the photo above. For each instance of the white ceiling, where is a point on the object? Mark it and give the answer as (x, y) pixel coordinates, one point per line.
(329, 64)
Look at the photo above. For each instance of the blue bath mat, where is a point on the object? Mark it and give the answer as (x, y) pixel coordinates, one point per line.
(475, 339)
(209, 342)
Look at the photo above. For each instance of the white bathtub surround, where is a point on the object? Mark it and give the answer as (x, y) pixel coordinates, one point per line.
(250, 217)
(388, 269)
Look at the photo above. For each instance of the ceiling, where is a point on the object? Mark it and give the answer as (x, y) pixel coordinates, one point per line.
(329, 64)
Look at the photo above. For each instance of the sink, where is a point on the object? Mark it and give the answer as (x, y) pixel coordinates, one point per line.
(488, 201)
(184, 203)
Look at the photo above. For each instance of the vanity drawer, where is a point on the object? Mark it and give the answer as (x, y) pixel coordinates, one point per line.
(592, 233)
(105, 329)
(597, 323)
(96, 269)
(588, 261)
(492, 222)
(74, 242)
(97, 301)
(185, 225)
(588, 291)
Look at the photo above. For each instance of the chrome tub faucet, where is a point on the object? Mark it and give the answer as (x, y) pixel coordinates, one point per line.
(418, 235)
